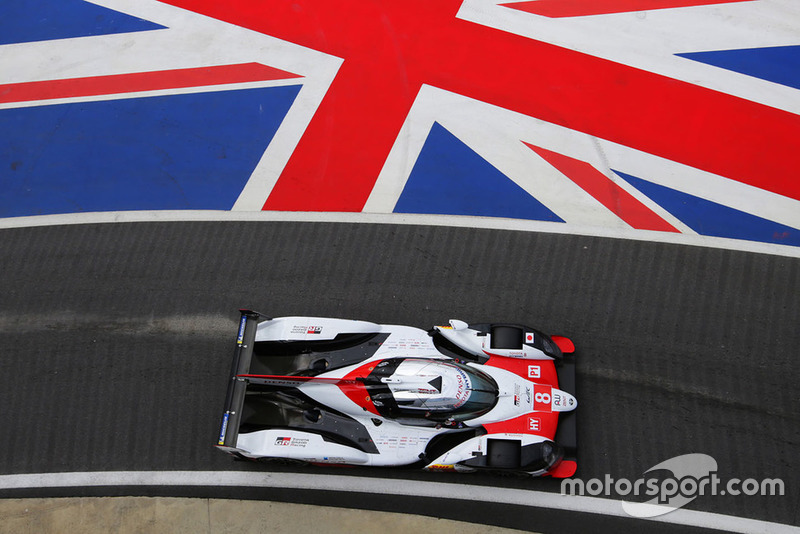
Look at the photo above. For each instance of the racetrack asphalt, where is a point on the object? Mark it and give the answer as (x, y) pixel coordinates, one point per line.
(116, 342)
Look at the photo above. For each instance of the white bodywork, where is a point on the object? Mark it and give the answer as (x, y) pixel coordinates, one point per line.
(462, 335)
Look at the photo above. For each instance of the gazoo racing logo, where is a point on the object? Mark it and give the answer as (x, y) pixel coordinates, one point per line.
(692, 475)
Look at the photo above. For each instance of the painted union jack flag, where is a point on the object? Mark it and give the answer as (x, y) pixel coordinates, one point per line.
(672, 116)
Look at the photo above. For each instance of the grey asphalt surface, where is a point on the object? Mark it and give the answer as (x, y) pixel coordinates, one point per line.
(115, 341)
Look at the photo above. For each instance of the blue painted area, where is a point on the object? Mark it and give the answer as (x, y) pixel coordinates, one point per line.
(192, 151)
(23, 21)
(449, 178)
(712, 219)
(779, 64)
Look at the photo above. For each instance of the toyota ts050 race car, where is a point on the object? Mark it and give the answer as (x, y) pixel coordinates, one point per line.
(461, 397)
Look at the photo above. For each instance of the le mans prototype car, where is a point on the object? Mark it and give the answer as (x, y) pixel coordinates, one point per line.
(493, 397)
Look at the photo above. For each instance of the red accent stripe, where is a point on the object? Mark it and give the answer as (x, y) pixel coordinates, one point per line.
(356, 391)
(608, 193)
(140, 81)
(580, 8)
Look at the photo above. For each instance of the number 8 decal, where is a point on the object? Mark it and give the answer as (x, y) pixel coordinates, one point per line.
(542, 395)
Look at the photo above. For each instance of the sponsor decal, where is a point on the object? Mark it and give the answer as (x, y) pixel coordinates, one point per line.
(303, 329)
(561, 401)
(463, 386)
(527, 395)
(242, 323)
(284, 442)
(516, 394)
(224, 428)
(529, 338)
(534, 423)
(441, 467)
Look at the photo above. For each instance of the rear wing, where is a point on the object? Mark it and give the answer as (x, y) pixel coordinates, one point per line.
(234, 399)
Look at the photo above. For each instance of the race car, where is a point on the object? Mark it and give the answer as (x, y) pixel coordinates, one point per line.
(461, 397)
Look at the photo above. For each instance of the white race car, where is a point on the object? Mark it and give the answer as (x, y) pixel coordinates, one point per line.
(461, 397)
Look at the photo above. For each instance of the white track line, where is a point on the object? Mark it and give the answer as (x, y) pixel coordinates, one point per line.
(411, 488)
(491, 223)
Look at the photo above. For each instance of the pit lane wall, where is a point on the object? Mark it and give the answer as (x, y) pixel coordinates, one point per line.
(670, 118)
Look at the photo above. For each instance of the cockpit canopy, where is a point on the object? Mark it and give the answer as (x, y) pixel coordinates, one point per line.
(432, 389)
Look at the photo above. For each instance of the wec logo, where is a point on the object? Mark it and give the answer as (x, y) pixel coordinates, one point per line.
(692, 475)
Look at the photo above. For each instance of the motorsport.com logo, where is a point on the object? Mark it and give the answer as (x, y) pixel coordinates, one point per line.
(693, 475)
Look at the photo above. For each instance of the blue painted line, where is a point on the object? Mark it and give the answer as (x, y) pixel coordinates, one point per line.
(449, 178)
(713, 219)
(779, 64)
(23, 21)
(190, 151)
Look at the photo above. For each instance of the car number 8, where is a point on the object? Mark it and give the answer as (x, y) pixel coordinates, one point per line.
(542, 397)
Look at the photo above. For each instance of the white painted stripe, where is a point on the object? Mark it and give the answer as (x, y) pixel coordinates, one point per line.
(412, 488)
(490, 223)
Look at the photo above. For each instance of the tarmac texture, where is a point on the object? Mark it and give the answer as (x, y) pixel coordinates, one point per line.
(116, 342)
(171, 515)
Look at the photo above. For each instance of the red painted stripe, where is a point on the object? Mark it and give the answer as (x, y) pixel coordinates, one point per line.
(580, 8)
(608, 193)
(391, 48)
(140, 81)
